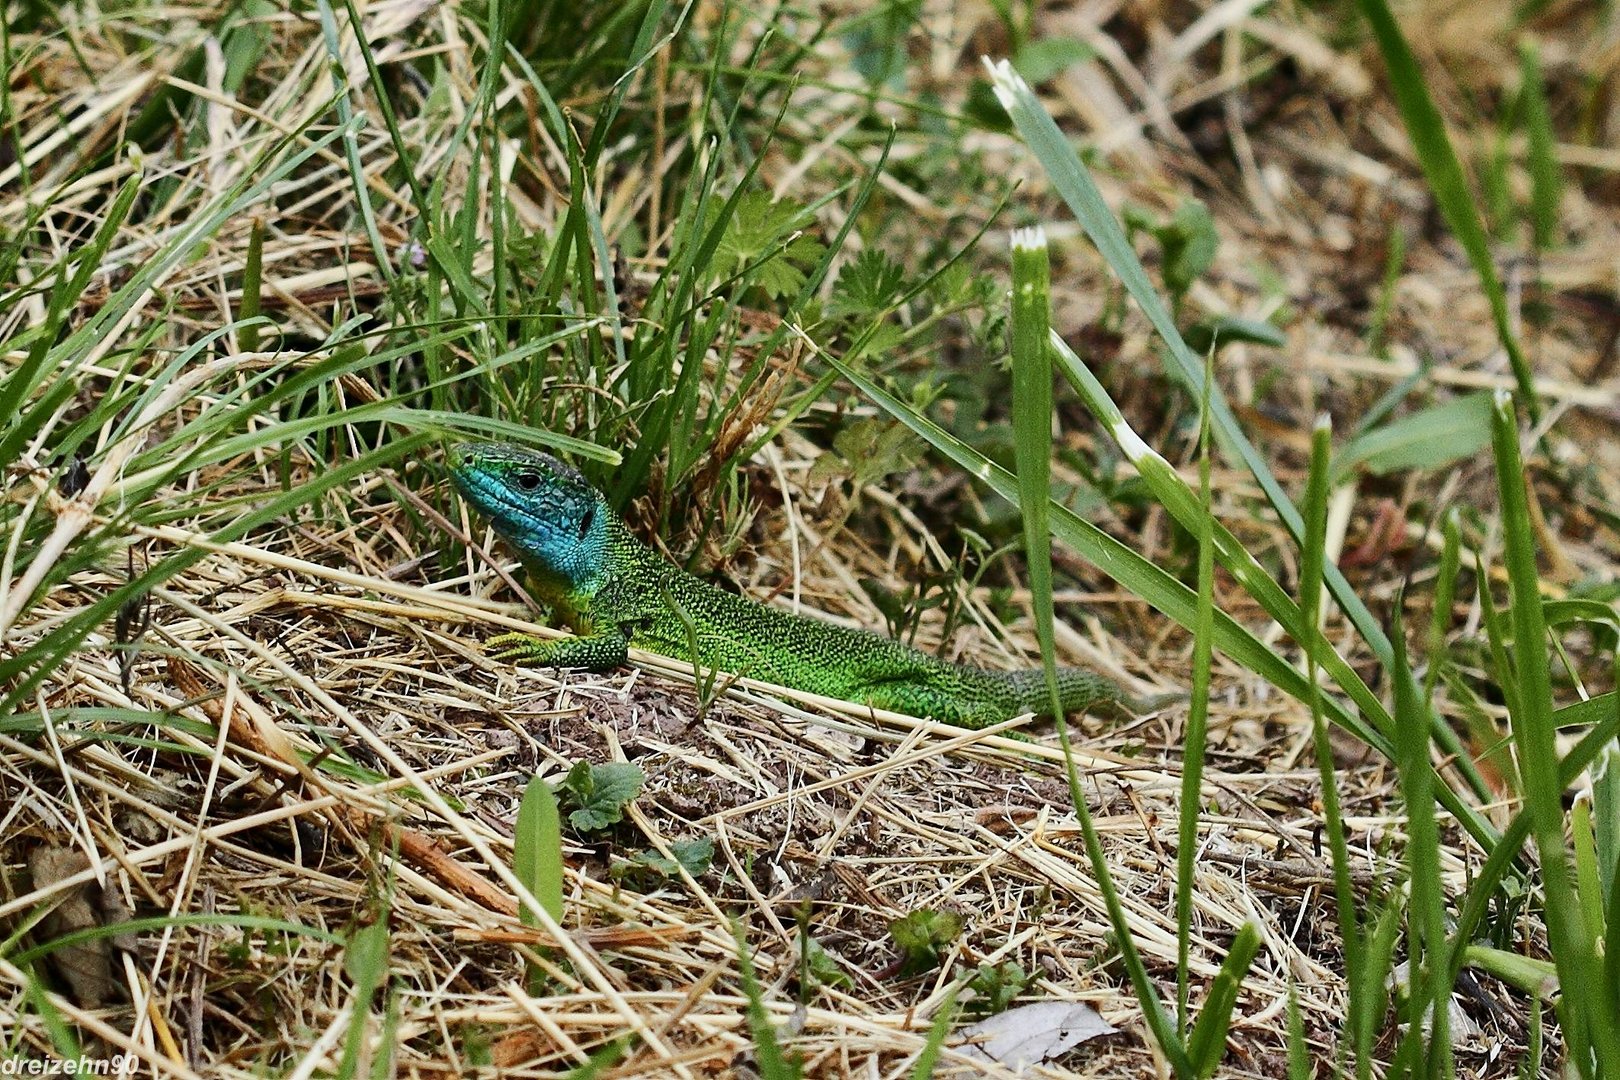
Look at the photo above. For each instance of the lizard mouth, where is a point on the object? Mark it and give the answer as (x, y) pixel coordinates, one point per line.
(470, 472)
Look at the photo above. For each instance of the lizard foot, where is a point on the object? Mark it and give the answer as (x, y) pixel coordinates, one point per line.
(521, 649)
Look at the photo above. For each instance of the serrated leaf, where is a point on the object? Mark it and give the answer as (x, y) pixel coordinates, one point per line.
(996, 986)
(868, 284)
(922, 937)
(599, 793)
(694, 855)
(761, 227)
(823, 967)
(1427, 439)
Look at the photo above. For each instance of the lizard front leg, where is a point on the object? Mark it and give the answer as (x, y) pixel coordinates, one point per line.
(599, 650)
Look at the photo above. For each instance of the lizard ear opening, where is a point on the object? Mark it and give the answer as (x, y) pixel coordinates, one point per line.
(585, 521)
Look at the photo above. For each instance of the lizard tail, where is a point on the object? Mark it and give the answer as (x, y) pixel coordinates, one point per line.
(1079, 690)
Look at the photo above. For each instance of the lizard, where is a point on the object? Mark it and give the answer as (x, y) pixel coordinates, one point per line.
(615, 592)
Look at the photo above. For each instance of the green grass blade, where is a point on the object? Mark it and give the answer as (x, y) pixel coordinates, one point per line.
(1032, 429)
(1589, 884)
(1207, 1045)
(56, 1025)
(1445, 593)
(24, 671)
(1300, 1066)
(773, 1062)
(603, 1059)
(1314, 556)
(347, 128)
(247, 310)
(1546, 182)
(1444, 173)
(1373, 725)
(1588, 1017)
(154, 923)
(1073, 183)
(1032, 433)
(365, 959)
(938, 1029)
(1192, 769)
(1152, 584)
(1428, 963)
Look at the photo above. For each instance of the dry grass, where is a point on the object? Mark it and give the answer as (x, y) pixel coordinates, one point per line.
(349, 633)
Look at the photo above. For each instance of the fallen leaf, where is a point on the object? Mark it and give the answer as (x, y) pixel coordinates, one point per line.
(1032, 1034)
(86, 968)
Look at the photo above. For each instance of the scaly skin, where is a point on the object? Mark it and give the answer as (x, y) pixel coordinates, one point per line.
(615, 592)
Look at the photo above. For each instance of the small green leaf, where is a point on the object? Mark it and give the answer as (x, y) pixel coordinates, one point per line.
(996, 986)
(821, 968)
(598, 793)
(1047, 58)
(694, 855)
(1189, 242)
(1427, 439)
(366, 957)
(537, 850)
(1226, 329)
(922, 937)
(365, 961)
(867, 285)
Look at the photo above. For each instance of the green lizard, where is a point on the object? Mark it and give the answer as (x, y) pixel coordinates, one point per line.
(615, 592)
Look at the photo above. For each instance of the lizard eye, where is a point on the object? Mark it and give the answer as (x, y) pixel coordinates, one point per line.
(585, 521)
(528, 481)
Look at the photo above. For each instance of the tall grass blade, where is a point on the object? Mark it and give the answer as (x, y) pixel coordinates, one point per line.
(1546, 181)
(1032, 433)
(1313, 557)
(1032, 423)
(1192, 769)
(1073, 182)
(1588, 1017)
(938, 1029)
(773, 1061)
(1427, 961)
(1427, 130)
(1374, 723)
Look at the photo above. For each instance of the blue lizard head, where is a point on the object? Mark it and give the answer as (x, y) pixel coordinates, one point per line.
(547, 512)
